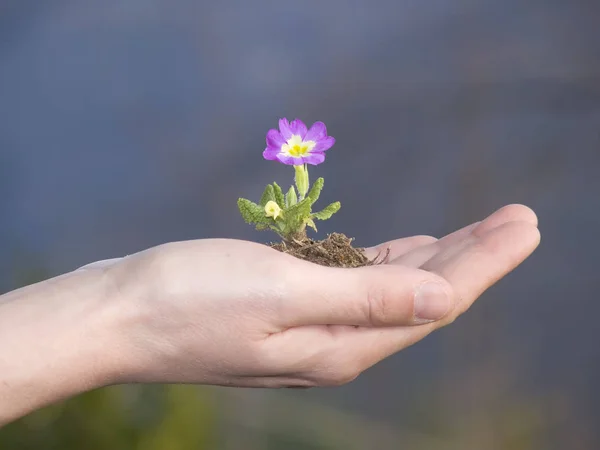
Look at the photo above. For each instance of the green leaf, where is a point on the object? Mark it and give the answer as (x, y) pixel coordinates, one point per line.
(302, 208)
(279, 199)
(327, 212)
(311, 223)
(315, 190)
(291, 198)
(277, 229)
(295, 216)
(253, 213)
(268, 195)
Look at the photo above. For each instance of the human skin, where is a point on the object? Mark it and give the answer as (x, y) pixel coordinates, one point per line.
(236, 313)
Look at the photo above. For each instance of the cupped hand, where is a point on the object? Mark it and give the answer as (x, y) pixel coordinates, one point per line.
(236, 313)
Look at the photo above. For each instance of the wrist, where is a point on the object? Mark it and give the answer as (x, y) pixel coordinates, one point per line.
(56, 341)
(137, 314)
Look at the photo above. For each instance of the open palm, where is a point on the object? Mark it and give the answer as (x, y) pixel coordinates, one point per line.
(239, 313)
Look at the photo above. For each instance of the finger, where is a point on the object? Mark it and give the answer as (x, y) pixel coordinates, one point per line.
(477, 267)
(398, 247)
(333, 354)
(418, 256)
(369, 296)
(509, 213)
(484, 259)
(385, 303)
(342, 352)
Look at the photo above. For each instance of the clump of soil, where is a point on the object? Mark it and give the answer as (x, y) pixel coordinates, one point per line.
(334, 251)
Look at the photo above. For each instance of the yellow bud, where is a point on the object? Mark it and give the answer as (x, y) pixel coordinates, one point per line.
(273, 210)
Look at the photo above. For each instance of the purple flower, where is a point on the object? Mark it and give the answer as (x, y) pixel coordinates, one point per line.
(294, 144)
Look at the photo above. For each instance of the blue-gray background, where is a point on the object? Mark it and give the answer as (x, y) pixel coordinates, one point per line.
(126, 124)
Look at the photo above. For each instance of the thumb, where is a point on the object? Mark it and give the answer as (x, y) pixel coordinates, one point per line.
(374, 296)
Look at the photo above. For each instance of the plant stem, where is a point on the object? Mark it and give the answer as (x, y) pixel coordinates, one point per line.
(302, 181)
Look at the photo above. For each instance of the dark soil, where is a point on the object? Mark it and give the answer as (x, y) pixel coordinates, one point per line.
(334, 251)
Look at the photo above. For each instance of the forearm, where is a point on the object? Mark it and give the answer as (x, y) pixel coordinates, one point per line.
(54, 342)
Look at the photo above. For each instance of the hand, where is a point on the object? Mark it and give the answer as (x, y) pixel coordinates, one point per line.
(237, 313)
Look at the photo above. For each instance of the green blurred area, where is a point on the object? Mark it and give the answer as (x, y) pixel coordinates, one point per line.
(121, 417)
(190, 418)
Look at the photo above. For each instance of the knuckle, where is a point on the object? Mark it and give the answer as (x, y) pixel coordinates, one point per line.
(452, 319)
(377, 307)
(425, 239)
(344, 376)
(449, 320)
(341, 374)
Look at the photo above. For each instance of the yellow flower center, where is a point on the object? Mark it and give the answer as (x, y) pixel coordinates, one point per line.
(272, 209)
(296, 147)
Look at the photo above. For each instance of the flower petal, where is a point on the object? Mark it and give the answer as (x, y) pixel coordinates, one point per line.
(270, 153)
(284, 127)
(290, 160)
(317, 132)
(314, 158)
(275, 140)
(297, 127)
(324, 144)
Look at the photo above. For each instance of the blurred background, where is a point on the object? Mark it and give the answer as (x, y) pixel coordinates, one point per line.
(127, 124)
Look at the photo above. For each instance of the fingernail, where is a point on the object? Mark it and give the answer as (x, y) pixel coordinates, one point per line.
(431, 302)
